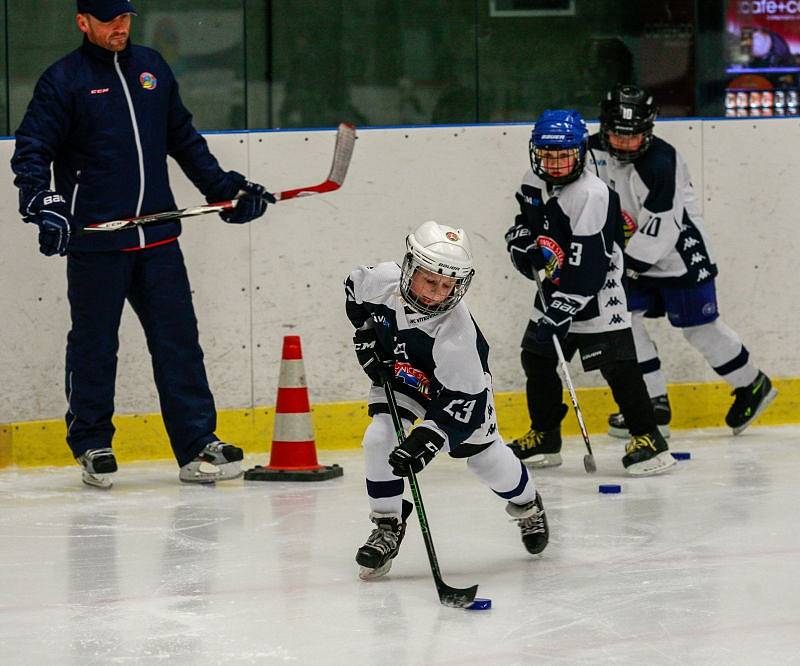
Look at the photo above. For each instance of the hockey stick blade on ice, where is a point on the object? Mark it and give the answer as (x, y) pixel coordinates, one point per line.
(448, 596)
(588, 460)
(342, 153)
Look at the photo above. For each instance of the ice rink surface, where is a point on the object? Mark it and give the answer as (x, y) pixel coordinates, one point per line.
(698, 566)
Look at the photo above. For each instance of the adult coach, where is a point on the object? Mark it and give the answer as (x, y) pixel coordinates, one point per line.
(105, 117)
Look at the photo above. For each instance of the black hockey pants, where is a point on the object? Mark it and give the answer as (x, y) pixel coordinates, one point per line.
(155, 283)
(620, 369)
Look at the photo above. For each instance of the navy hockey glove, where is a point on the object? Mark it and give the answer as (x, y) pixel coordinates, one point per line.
(556, 321)
(416, 452)
(49, 211)
(371, 357)
(521, 248)
(252, 198)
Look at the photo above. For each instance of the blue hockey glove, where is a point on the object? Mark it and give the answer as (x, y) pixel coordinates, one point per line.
(370, 355)
(521, 248)
(556, 320)
(420, 447)
(252, 198)
(49, 211)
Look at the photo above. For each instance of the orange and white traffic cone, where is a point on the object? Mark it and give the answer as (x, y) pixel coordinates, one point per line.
(294, 455)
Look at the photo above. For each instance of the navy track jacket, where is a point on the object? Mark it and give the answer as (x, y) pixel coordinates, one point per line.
(106, 122)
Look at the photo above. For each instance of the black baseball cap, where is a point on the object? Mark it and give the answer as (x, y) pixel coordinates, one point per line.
(105, 10)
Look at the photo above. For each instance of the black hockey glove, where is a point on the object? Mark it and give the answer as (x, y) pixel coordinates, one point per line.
(521, 247)
(371, 356)
(556, 321)
(49, 211)
(420, 447)
(252, 198)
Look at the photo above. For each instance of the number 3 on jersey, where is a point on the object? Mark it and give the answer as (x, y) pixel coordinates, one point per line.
(575, 254)
(461, 410)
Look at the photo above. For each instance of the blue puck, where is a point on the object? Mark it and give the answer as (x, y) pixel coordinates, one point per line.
(480, 604)
(609, 488)
(681, 455)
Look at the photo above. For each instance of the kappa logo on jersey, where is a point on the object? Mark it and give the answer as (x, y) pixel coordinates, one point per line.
(412, 377)
(148, 81)
(99, 91)
(553, 256)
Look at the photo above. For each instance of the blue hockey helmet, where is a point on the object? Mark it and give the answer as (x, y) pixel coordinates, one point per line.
(561, 130)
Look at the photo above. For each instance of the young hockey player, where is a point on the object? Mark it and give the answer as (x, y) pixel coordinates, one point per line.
(414, 330)
(570, 226)
(668, 259)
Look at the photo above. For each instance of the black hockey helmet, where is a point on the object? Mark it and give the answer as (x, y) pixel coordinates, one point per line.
(627, 110)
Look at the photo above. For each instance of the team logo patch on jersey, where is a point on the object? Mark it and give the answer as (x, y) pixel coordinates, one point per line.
(629, 225)
(412, 377)
(452, 236)
(709, 309)
(148, 81)
(553, 256)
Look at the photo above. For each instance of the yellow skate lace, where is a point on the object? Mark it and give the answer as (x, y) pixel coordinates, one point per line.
(640, 442)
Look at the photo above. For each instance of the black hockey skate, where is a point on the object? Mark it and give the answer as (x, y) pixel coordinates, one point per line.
(98, 465)
(749, 402)
(646, 455)
(532, 523)
(218, 461)
(376, 555)
(661, 409)
(539, 448)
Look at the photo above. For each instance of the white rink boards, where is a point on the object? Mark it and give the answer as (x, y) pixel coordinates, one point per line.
(283, 274)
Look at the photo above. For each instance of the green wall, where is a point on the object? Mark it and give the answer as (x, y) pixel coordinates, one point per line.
(312, 63)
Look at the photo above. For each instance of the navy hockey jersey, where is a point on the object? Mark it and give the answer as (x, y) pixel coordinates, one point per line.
(669, 246)
(579, 231)
(441, 361)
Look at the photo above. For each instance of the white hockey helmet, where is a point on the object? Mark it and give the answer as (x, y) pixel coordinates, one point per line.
(441, 250)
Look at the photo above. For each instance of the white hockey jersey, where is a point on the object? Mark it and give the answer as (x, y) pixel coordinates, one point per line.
(441, 361)
(578, 228)
(669, 246)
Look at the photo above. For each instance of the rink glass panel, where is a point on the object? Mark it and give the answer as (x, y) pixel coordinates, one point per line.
(312, 63)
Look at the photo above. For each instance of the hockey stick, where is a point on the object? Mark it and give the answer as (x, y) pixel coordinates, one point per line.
(448, 596)
(588, 460)
(342, 153)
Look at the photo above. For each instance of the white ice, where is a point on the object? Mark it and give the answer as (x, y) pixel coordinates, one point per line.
(698, 566)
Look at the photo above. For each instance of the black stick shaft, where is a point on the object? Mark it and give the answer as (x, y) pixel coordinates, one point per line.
(565, 371)
(415, 491)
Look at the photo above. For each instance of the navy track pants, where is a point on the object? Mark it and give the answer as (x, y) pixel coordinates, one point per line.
(155, 282)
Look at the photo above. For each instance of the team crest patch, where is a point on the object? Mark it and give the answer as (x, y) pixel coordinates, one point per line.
(148, 81)
(452, 236)
(553, 256)
(411, 376)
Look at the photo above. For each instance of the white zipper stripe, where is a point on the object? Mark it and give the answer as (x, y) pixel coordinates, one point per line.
(135, 134)
(74, 198)
(69, 404)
